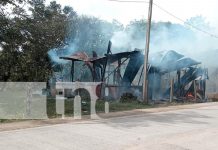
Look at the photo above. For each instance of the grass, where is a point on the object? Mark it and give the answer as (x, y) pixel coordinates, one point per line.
(118, 106)
(100, 107)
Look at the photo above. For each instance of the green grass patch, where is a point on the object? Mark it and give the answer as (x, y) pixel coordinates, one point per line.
(100, 107)
(118, 106)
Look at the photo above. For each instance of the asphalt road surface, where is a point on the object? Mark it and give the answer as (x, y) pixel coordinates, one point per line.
(195, 128)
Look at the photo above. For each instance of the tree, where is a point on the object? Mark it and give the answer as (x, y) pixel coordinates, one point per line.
(25, 40)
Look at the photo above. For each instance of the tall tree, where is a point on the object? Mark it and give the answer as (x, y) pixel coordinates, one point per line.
(26, 39)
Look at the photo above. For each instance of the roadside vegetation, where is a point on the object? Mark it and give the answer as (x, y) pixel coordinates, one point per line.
(125, 103)
(114, 106)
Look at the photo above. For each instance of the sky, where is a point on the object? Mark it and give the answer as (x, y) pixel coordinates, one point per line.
(183, 9)
(125, 12)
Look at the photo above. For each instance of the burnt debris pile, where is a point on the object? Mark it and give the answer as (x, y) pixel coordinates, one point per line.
(170, 75)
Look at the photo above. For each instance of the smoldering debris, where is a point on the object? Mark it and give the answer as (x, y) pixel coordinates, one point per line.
(122, 72)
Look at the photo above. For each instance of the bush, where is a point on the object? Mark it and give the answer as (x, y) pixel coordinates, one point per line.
(128, 98)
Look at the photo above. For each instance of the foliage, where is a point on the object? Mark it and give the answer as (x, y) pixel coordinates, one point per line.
(128, 97)
(100, 107)
(26, 39)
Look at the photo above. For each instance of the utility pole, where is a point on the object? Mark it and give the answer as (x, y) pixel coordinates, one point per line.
(145, 84)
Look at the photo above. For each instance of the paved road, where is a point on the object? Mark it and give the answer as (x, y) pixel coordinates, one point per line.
(173, 130)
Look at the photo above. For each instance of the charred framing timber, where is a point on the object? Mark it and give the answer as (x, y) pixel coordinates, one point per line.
(106, 61)
(97, 72)
(116, 68)
(195, 90)
(171, 90)
(141, 75)
(72, 71)
(184, 70)
(117, 73)
(104, 70)
(179, 82)
(204, 88)
(97, 68)
(135, 62)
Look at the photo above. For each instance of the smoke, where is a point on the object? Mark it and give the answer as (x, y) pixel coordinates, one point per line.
(61, 67)
(56, 53)
(168, 36)
(121, 40)
(86, 34)
(91, 34)
(133, 36)
(94, 34)
(54, 57)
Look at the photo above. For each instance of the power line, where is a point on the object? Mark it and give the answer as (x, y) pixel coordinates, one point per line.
(130, 1)
(196, 28)
(169, 13)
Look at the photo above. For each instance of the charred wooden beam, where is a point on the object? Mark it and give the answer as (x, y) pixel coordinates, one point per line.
(72, 71)
(105, 63)
(179, 83)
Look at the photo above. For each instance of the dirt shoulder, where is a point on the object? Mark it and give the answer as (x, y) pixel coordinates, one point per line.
(38, 123)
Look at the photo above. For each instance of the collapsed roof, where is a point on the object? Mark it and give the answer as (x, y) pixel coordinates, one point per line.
(169, 61)
(160, 63)
(166, 61)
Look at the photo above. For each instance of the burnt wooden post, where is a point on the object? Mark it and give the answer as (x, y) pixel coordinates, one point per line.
(104, 69)
(171, 89)
(119, 71)
(179, 82)
(105, 63)
(204, 88)
(195, 89)
(72, 71)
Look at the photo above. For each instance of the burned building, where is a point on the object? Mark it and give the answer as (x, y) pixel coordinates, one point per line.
(169, 73)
